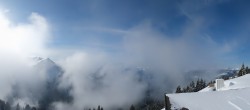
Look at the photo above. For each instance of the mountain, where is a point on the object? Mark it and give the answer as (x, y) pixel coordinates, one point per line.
(44, 94)
(52, 92)
(52, 70)
(227, 73)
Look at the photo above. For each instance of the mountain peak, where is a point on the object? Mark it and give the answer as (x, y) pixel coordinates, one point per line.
(48, 60)
(37, 58)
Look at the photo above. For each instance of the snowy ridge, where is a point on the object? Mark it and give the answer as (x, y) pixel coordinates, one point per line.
(46, 65)
(233, 96)
(37, 59)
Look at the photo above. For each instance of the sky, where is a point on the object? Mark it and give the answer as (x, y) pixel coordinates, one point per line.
(113, 40)
(102, 25)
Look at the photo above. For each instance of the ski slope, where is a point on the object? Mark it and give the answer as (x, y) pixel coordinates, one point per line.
(235, 95)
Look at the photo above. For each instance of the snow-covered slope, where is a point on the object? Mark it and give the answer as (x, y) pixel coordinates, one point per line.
(236, 83)
(219, 100)
(234, 96)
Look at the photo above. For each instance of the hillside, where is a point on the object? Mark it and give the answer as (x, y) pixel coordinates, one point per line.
(233, 96)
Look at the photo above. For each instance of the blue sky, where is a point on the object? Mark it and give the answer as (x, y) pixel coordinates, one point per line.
(112, 39)
(101, 24)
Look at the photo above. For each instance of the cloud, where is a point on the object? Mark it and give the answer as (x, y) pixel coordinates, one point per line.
(170, 58)
(109, 79)
(165, 61)
(102, 29)
(194, 8)
(97, 81)
(24, 38)
(149, 46)
(18, 41)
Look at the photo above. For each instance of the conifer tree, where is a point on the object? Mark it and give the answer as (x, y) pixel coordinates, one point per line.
(132, 107)
(184, 90)
(33, 108)
(178, 89)
(7, 106)
(2, 103)
(242, 70)
(197, 87)
(192, 86)
(247, 70)
(27, 107)
(18, 107)
(188, 89)
(203, 84)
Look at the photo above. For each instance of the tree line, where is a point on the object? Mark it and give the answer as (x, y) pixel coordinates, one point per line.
(192, 87)
(6, 106)
(201, 84)
(98, 108)
(243, 70)
(148, 103)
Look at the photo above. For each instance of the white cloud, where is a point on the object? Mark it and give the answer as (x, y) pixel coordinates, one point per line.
(97, 81)
(24, 38)
(99, 78)
(18, 41)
